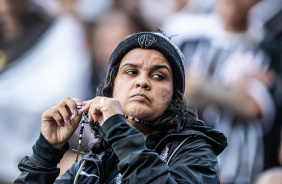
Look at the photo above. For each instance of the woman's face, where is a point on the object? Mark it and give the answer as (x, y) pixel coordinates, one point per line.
(144, 84)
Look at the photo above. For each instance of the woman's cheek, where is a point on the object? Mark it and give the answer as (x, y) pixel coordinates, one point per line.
(164, 98)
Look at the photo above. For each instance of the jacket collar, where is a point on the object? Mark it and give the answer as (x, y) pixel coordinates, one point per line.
(198, 129)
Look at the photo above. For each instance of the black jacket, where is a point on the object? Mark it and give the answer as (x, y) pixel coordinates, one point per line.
(188, 157)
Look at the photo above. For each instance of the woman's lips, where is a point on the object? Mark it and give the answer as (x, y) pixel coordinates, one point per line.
(140, 97)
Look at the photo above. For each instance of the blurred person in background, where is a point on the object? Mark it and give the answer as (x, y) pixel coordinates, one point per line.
(280, 149)
(270, 176)
(117, 23)
(273, 44)
(229, 79)
(190, 20)
(159, 12)
(42, 59)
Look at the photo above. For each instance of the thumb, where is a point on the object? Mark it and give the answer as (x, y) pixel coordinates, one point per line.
(75, 120)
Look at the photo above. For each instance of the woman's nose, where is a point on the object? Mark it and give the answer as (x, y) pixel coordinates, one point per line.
(143, 82)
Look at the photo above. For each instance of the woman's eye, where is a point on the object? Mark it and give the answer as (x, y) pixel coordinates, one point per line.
(131, 72)
(158, 76)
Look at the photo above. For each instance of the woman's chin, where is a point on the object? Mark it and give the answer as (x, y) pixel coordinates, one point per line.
(140, 113)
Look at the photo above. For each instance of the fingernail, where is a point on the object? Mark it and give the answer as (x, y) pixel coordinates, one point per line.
(72, 116)
(68, 122)
(74, 111)
(82, 108)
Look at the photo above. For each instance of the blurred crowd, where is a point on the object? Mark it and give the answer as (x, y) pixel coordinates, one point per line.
(233, 57)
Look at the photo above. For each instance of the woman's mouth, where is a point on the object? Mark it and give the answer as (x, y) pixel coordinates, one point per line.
(140, 97)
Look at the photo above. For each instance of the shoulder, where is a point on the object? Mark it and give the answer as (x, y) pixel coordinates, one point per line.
(194, 158)
(195, 147)
(195, 137)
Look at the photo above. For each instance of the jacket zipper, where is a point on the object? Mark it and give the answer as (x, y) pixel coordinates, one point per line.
(81, 167)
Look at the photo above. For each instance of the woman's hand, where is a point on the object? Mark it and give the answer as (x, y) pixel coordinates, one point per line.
(101, 108)
(56, 124)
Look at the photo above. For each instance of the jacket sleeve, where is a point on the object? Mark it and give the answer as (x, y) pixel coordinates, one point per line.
(138, 164)
(41, 166)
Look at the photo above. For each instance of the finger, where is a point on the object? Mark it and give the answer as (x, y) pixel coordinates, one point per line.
(64, 113)
(68, 102)
(90, 115)
(86, 104)
(91, 112)
(76, 117)
(77, 103)
(95, 110)
(53, 114)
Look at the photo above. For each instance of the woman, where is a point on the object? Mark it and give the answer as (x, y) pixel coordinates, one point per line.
(145, 81)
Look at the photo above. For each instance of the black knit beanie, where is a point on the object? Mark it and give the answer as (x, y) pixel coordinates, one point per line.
(157, 41)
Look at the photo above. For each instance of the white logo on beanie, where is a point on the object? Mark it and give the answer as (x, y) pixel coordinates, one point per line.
(146, 40)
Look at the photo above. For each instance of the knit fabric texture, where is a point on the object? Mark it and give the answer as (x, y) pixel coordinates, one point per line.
(157, 41)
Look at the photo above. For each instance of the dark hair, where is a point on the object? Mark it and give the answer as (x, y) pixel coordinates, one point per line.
(176, 117)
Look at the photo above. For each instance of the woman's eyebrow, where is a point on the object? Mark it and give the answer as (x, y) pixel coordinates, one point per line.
(156, 67)
(129, 64)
